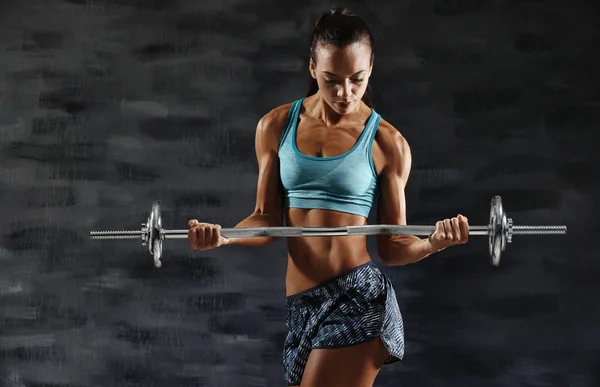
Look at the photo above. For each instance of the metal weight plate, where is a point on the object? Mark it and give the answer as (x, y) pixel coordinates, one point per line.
(149, 235)
(155, 237)
(497, 230)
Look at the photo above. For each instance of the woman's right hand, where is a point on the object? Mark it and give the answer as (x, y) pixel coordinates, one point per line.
(205, 236)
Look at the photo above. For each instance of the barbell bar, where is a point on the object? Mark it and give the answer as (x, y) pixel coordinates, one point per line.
(500, 231)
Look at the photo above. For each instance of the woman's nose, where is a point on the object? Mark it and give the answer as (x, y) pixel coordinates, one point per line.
(345, 89)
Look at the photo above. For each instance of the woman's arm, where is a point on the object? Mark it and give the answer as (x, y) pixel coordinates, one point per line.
(268, 211)
(405, 249)
(396, 249)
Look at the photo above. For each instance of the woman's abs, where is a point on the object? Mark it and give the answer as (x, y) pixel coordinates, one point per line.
(314, 260)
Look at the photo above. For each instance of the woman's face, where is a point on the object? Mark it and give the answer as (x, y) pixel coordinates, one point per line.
(342, 74)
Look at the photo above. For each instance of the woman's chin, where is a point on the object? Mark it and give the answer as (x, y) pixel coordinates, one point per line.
(344, 108)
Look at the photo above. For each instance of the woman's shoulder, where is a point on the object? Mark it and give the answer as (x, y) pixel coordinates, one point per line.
(279, 112)
(272, 124)
(388, 133)
(390, 140)
(276, 116)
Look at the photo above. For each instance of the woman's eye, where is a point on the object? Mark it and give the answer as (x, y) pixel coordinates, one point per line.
(331, 81)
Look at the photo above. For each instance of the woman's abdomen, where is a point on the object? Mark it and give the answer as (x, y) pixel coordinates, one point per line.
(314, 260)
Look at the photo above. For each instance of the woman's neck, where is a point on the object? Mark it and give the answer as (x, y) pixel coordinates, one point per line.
(320, 109)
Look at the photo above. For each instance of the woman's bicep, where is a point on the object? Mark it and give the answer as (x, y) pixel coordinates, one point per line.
(393, 179)
(391, 206)
(269, 194)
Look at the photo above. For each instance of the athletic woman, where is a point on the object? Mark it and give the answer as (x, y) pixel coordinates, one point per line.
(324, 161)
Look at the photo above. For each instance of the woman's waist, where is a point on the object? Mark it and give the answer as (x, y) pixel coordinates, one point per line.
(316, 259)
(361, 278)
(306, 270)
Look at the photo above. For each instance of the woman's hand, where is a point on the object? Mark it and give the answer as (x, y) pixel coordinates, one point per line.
(205, 236)
(449, 232)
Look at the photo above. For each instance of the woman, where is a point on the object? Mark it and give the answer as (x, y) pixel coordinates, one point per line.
(322, 160)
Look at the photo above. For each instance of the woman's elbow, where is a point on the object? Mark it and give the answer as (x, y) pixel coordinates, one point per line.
(391, 257)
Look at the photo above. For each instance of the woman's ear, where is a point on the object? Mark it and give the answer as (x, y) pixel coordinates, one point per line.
(311, 68)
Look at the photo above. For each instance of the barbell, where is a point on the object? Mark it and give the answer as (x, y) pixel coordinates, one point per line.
(500, 231)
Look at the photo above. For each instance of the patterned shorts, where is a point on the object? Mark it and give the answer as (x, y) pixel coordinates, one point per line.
(350, 309)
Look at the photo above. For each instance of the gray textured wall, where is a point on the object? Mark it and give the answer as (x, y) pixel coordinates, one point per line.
(106, 106)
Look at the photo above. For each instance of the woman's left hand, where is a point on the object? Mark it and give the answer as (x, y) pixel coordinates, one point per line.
(449, 232)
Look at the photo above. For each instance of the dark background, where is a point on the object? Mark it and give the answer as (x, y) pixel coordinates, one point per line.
(106, 106)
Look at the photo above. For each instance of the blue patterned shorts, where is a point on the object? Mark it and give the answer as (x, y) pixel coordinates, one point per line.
(353, 308)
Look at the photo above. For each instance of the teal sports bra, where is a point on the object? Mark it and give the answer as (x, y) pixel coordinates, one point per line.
(345, 183)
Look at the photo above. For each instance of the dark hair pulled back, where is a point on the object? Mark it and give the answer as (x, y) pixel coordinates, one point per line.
(339, 28)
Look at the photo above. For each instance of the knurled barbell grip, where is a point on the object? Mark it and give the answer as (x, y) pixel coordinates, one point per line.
(290, 232)
(326, 231)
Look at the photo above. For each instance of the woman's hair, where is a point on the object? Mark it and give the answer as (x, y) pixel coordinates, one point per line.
(339, 28)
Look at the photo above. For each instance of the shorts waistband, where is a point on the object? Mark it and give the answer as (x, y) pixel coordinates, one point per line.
(332, 282)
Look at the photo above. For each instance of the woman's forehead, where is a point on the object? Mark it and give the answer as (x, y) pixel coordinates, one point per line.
(348, 60)
(352, 52)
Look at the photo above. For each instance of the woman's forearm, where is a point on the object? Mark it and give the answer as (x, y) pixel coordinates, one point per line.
(400, 250)
(255, 220)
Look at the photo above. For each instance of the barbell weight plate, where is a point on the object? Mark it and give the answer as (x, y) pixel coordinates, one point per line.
(155, 231)
(497, 227)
